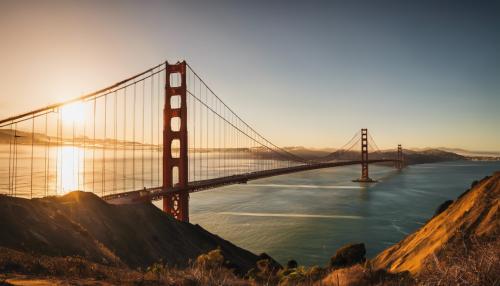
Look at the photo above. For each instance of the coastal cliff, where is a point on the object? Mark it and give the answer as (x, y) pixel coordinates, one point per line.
(474, 215)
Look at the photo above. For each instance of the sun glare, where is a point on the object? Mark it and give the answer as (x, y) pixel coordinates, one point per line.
(73, 112)
(70, 159)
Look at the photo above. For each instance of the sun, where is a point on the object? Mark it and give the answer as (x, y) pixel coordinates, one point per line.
(73, 113)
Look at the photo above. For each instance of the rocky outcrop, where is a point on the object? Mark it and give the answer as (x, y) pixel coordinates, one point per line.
(348, 255)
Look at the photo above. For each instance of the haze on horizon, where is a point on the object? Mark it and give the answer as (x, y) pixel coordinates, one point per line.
(425, 74)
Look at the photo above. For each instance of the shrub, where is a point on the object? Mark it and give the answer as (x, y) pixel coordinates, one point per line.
(212, 259)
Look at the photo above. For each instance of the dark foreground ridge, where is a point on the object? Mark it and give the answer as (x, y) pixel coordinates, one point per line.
(81, 224)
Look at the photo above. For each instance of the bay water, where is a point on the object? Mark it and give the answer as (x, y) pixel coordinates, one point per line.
(307, 216)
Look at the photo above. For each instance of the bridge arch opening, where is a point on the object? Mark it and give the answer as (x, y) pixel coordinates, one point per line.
(175, 149)
(175, 102)
(175, 124)
(175, 79)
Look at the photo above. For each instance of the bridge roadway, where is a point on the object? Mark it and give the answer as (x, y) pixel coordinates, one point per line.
(156, 193)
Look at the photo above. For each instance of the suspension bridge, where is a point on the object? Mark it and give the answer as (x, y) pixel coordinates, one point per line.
(160, 134)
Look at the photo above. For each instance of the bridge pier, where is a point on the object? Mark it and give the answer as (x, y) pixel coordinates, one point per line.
(364, 158)
(175, 166)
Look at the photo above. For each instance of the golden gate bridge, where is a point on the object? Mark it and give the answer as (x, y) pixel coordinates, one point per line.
(160, 134)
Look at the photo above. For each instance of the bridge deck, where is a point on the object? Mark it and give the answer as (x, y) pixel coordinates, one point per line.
(156, 193)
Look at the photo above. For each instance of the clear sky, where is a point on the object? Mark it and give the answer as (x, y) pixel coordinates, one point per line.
(310, 73)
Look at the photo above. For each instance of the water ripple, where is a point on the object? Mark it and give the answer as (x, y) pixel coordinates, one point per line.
(291, 215)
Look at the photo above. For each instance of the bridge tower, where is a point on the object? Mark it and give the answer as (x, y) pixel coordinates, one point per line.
(399, 158)
(175, 166)
(364, 158)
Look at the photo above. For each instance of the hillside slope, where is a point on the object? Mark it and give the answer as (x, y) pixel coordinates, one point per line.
(473, 214)
(81, 224)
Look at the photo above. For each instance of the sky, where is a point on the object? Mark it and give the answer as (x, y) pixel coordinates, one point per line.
(302, 73)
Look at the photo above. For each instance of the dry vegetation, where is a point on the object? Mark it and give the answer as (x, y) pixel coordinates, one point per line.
(78, 271)
(472, 262)
(208, 269)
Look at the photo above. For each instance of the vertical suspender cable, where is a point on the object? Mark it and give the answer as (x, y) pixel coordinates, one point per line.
(14, 180)
(219, 135)
(115, 140)
(84, 143)
(214, 134)
(158, 131)
(10, 159)
(226, 142)
(201, 133)
(74, 167)
(194, 130)
(61, 146)
(93, 150)
(104, 143)
(133, 137)
(151, 122)
(124, 139)
(45, 165)
(57, 151)
(208, 132)
(143, 127)
(32, 148)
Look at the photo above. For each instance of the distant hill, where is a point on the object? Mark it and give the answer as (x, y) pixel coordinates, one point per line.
(24, 138)
(410, 156)
(309, 153)
(471, 153)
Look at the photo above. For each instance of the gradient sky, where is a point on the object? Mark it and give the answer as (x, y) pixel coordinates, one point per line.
(310, 73)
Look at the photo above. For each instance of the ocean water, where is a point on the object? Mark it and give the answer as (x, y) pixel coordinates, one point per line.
(307, 216)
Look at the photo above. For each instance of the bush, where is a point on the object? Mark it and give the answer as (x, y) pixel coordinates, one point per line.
(348, 255)
(211, 260)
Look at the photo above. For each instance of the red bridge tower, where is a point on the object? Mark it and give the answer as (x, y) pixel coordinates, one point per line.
(364, 158)
(175, 166)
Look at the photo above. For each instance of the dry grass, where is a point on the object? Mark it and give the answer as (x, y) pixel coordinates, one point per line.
(471, 262)
(79, 271)
(474, 263)
(365, 275)
(208, 269)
